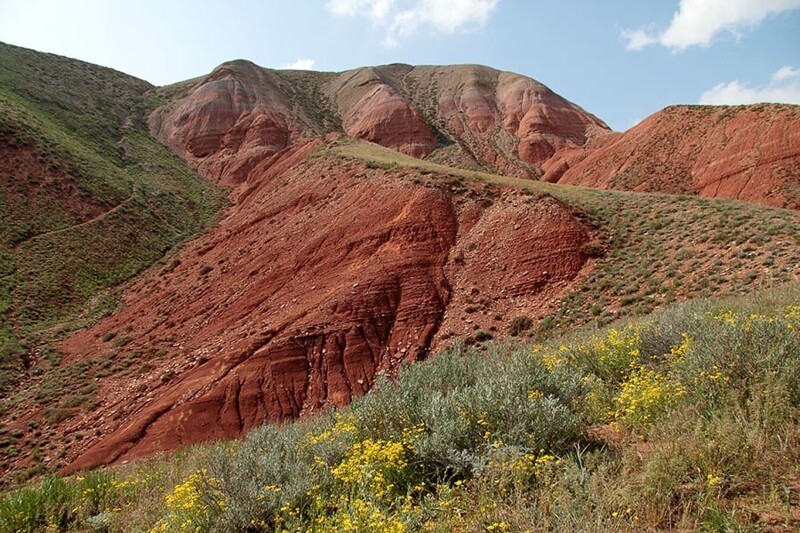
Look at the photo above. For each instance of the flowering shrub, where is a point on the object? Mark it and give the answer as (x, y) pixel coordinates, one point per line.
(617, 353)
(372, 466)
(359, 515)
(192, 505)
(644, 395)
(610, 357)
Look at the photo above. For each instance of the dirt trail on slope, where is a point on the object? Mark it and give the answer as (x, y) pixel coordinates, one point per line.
(97, 218)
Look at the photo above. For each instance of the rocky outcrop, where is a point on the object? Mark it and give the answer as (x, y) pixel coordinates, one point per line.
(373, 110)
(383, 117)
(224, 123)
(543, 122)
(229, 121)
(749, 153)
(323, 275)
(481, 118)
(503, 121)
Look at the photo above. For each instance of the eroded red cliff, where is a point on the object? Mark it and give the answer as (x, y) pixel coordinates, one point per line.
(326, 272)
(323, 274)
(749, 153)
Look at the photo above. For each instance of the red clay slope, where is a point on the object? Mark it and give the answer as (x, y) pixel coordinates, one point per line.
(323, 274)
(749, 153)
(501, 120)
(225, 123)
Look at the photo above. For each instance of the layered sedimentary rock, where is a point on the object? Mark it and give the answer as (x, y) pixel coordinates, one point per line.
(326, 272)
(224, 123)
(229, 121)
(747, 153)
(500, 120)
(373, 109)
(323, 275)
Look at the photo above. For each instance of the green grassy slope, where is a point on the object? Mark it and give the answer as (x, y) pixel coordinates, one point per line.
(677, 420)
(87, 198)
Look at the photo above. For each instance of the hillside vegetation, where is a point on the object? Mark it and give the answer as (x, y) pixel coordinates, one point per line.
(685, 419)
(648, 250)
(87, 198)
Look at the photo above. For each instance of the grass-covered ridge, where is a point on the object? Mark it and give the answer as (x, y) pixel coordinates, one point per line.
(87, 198)
(685, 419)
(655, 248)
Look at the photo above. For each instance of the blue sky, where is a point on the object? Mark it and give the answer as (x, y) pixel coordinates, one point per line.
(619, 59)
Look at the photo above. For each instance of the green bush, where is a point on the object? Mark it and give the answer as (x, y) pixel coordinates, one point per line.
(520, 325)
(36, 508)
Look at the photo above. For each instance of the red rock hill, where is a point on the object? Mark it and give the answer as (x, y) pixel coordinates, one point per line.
(324, 274)
(749, 153)
(477, 117)
(226, 122)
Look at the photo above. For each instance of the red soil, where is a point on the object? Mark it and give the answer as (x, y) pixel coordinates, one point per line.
(324, 273)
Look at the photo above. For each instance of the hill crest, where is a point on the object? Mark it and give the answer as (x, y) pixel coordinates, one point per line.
(467, 114)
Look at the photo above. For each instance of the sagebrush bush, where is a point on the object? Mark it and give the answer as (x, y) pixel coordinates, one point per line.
(271, 470)
(465, 401)
(520, 325)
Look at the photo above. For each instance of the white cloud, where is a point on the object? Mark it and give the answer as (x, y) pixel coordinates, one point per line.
(374, 9)
(400, 22)
(300, 64)
(638, 39)
(697, 22)
(783, 88)
(786, 73)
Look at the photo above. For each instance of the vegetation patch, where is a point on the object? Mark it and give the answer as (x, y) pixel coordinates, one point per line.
(687, 419)
(88, 200)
